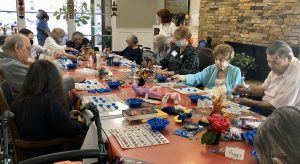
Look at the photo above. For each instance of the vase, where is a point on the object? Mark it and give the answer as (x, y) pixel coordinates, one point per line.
(101, 77)
(217, 140)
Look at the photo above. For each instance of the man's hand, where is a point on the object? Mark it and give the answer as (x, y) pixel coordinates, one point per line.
(241, 89)
(243, 101)
(178, 77)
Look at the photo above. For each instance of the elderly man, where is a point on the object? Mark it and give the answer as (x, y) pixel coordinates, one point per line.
(282, 86)
(16, 51)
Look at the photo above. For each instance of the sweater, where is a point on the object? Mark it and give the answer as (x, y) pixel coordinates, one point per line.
(133, 54)
(208, 76)
(185, 63)
(45, 118)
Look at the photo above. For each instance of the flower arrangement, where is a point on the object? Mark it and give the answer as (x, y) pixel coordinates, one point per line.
(217, 125)
(102, 72)
(217, 104)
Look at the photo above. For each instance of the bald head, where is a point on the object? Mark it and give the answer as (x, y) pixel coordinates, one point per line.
(18, 46)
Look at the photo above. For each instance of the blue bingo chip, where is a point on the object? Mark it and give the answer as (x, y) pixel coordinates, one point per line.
(108, 106)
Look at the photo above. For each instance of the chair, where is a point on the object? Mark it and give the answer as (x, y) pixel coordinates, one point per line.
(20, 144)
(205, 57)
(5, 89)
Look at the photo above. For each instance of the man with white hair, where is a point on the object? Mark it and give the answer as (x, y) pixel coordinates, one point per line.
(282, 86)
(16, 51)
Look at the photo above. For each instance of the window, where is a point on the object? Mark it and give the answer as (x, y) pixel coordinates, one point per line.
(8, 15)
(31, 8)
(98, 27)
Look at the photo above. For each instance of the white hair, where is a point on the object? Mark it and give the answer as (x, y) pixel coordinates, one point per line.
(11, 41)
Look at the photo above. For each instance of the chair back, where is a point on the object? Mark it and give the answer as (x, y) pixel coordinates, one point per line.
(18, 153)
(205, 57)
(5, 89)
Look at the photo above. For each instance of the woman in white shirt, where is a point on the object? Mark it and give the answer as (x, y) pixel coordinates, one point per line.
(52, 42)
(166, 26)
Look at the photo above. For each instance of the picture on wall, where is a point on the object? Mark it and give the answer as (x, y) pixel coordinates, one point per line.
(177, 6)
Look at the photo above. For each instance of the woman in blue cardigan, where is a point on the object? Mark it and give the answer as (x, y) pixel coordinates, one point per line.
(222, 74)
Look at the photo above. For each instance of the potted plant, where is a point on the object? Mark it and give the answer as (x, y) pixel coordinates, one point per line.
(102, 73)
(5, 28)
(217, 125)
(244, 62)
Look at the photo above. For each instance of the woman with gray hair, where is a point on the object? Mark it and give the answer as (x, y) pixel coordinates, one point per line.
(278, 138)
(161, 46)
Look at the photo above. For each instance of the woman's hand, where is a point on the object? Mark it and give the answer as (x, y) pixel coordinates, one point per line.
(165, 72)
(178, 77)
(77, 116)
(57, 54)
(108, 50)
(71, 49)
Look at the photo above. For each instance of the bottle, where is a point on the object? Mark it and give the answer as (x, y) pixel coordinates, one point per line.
(91, 61)
(133, 69)
(110, 60)
(98, 60)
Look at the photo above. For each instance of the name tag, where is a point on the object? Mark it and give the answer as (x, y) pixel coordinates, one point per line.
(234, 153)
(174, 53)
(165, 99)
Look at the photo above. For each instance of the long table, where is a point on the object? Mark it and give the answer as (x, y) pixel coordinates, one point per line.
(180, 150)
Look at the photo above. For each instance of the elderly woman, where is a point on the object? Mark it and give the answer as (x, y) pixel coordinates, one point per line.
(132, 51)
(40, 108)
(78, 41)
(161, 47)
(277, 139)
(183, 59)
(221, 74)
(52, 42)
(166, 26)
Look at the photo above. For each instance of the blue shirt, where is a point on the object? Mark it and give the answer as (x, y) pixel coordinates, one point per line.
(208, 76)
(42, 25)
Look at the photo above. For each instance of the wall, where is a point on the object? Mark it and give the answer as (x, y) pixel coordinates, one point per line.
(256, 22)
(135, 17)
(138, 17)
(137, 13)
